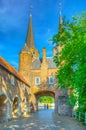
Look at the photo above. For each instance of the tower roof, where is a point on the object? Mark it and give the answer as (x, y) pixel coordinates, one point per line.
(30, 38)
(60, 17)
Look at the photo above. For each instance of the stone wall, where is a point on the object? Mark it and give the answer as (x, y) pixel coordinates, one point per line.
(16, 94)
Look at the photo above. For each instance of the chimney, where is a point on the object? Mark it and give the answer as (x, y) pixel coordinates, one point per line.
(44, 54)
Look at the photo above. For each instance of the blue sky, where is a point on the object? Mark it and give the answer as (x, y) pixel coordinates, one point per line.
(14, 18)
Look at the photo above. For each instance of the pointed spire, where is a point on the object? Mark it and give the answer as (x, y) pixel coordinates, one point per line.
(30, 10)
(30, 38)
(60, 16)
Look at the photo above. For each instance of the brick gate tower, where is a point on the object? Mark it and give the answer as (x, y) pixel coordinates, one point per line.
(39, 72)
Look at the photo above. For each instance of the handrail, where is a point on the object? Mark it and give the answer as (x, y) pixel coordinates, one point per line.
(80, 116)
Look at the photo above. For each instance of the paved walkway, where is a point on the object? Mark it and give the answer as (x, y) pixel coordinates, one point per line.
(44, 120)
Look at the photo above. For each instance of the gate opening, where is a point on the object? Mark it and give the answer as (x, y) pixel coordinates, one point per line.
(46, 102)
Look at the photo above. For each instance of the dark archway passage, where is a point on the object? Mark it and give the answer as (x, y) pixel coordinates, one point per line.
(46, 102)
(3, 108)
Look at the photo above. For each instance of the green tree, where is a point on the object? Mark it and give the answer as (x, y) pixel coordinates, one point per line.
(46, 99)
(71, 59)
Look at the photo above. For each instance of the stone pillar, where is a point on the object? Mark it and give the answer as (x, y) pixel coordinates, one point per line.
(9, 111)
(56, 100)
(26, 108)
(19, 109)
(56, 103)
(36, 106)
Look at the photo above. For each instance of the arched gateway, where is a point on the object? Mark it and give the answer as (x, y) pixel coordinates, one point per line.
(39, 72)
(19, 93)
(43, 93)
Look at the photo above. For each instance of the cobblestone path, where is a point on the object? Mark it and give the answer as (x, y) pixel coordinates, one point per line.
(44, 120)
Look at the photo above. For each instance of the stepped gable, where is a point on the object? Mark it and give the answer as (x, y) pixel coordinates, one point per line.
(51, 63)
(36, 64)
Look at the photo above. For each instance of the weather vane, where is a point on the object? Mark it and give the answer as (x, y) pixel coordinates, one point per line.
(31, 10)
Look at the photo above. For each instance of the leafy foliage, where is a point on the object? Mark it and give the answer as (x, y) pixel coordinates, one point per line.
(46, 99)
(71, 58)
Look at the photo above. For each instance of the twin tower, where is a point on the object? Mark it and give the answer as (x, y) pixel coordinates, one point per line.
(36, 70)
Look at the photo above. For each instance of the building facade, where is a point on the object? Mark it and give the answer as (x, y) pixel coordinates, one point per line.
(20, 91)
(39, 72)
(14, 92)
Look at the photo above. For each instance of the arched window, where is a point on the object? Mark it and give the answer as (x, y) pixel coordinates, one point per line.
(37, 80)
(12, 80)
(51, 80)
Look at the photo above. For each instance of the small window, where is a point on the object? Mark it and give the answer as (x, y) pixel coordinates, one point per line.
(37, 81)
(12, 80)
(51, 80)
